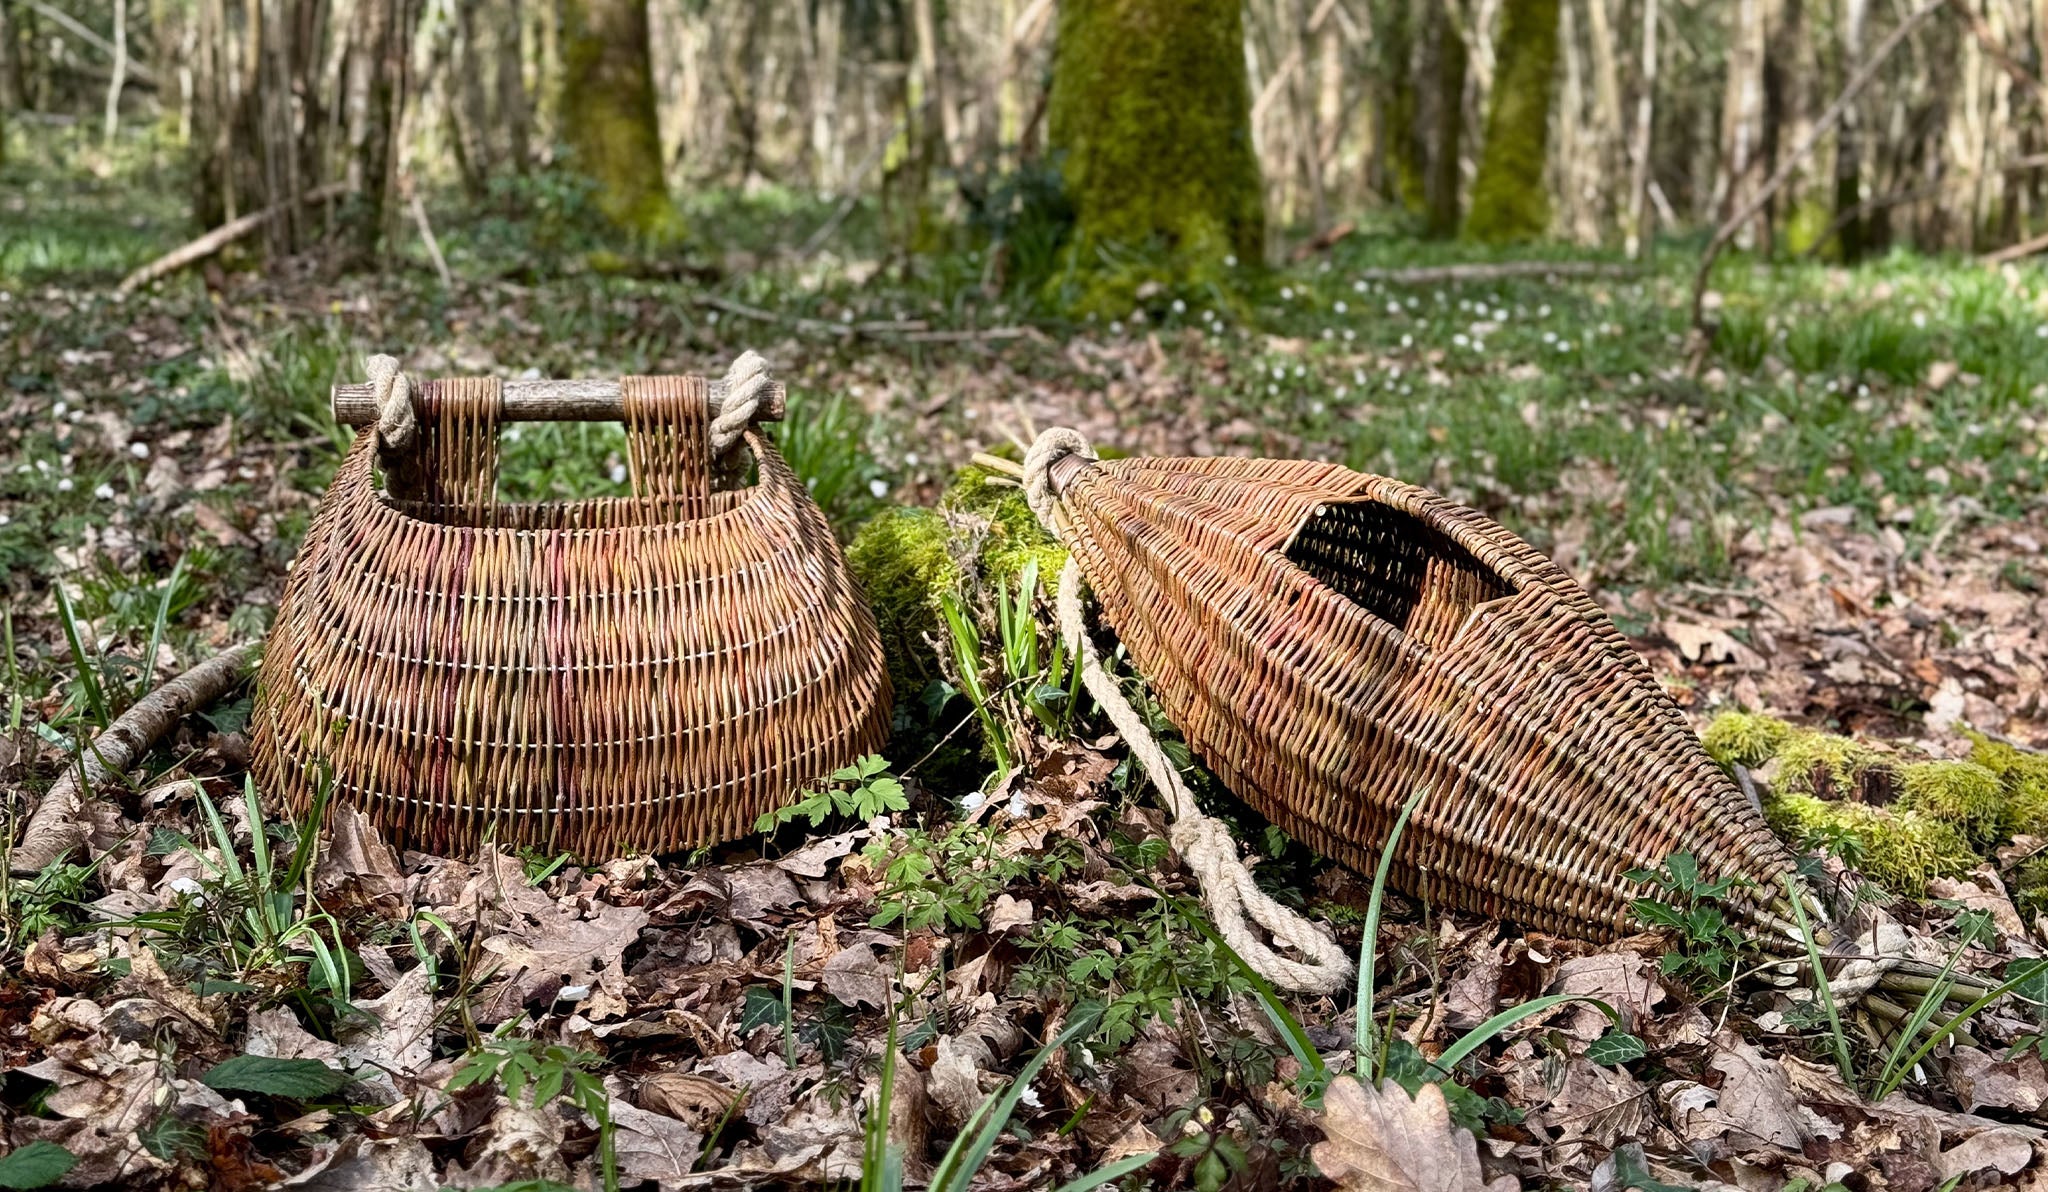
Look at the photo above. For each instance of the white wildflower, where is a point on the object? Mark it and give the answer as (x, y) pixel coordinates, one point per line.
(139, 450)
(878, 488)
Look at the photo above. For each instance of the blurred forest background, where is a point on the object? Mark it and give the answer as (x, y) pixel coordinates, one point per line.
(1597, 122)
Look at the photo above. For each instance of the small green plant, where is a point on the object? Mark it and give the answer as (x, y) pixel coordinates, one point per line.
(50, 899)
(859, 792)
(1037, 687)
(943, 881)
(549, 1070)
(1711, 951)
(263, 915)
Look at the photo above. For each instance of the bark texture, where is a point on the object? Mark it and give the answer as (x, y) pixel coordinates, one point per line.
(1150, 117)
(1509, 200)
(607, 110)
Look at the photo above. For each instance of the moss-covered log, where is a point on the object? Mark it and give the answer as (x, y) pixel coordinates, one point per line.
(1150, 114)
(1509, 201)
(607, 107)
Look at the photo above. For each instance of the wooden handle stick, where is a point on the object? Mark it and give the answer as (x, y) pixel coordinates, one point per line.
(547, 401)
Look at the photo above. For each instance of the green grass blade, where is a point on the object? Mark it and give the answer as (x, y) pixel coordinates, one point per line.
(156, 627)
(1891, 1084)
(1365, 1046)
(88, 670)
(1480, 1035)
(1839, 1042)
(1004, 1104)
(1103, 1175)
(1290, 1028)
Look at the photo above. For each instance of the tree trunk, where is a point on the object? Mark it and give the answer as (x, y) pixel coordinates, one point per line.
(607, 110)
(1441, 55)
(1151, 107)
(1508, 199)
(1637, 234)
(1743, 165)
(379, 44)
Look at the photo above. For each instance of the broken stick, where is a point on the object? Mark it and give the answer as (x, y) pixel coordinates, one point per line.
(55, 828)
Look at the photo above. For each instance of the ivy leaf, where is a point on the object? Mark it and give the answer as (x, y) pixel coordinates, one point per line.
(37, 1165)
(1616, 1048)
(298, 1080)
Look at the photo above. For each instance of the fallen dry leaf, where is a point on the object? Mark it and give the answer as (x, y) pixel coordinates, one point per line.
(1380, 1140)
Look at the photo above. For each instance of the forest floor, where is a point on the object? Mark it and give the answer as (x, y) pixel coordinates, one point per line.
(1839, 521)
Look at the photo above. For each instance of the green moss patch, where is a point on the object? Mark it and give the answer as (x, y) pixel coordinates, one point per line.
(1745, 738)
(1900, 850)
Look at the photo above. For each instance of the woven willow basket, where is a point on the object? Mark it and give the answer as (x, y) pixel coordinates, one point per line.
(646, 673)
(1329, 642)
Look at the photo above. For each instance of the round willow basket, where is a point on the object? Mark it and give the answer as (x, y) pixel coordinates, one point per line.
(646, 673)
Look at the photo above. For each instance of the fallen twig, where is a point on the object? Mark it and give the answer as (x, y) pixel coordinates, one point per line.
(2014, 252)
(55, 829)
(1424, 275)
(219, 238)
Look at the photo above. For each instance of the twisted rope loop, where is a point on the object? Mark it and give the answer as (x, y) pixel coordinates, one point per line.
(1234, 899)
(395, 423)
(745, 384)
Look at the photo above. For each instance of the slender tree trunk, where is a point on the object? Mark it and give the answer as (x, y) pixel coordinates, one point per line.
(1151, 105)
(118, 76)
(607, 107)
(1637, 238)
(1508, 200)
(514, 113)
(379, 53)
(1441, 58)
(1743, 165)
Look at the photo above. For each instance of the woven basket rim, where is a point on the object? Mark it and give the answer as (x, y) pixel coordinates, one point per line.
(382, 506)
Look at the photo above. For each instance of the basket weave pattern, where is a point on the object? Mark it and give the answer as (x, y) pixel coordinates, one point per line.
(1329, 642)
(645, 673)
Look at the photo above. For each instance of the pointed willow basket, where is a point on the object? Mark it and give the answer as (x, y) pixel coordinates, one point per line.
(645, 673)
(1330, 642)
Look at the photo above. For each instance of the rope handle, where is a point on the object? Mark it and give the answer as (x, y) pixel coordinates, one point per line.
(1239, 908)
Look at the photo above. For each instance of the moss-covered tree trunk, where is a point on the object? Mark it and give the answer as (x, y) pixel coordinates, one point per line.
(1150, 114)
(607, 111)
(1509, 201)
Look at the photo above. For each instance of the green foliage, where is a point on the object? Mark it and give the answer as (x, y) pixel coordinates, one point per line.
(53, 898)
(2024, 776)
(549, 1070)
(1711, 950)
(824, 441)
(945, 882)
(1150, 119)
(297, 1080)
(1745, 738)
(1509, 200)
(36, 1165)
(859, 792)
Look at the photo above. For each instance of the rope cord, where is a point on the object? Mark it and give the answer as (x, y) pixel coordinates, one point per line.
(396, 426)
(745, 384)
(1233, 898)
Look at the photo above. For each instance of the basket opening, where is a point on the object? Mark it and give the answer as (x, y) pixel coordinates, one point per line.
(566, 476)
(1396, 567)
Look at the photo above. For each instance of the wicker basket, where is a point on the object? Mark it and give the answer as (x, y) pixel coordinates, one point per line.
(645, 673)
(1329, 642)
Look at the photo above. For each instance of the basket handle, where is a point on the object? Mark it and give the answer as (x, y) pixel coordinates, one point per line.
(593, 400)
